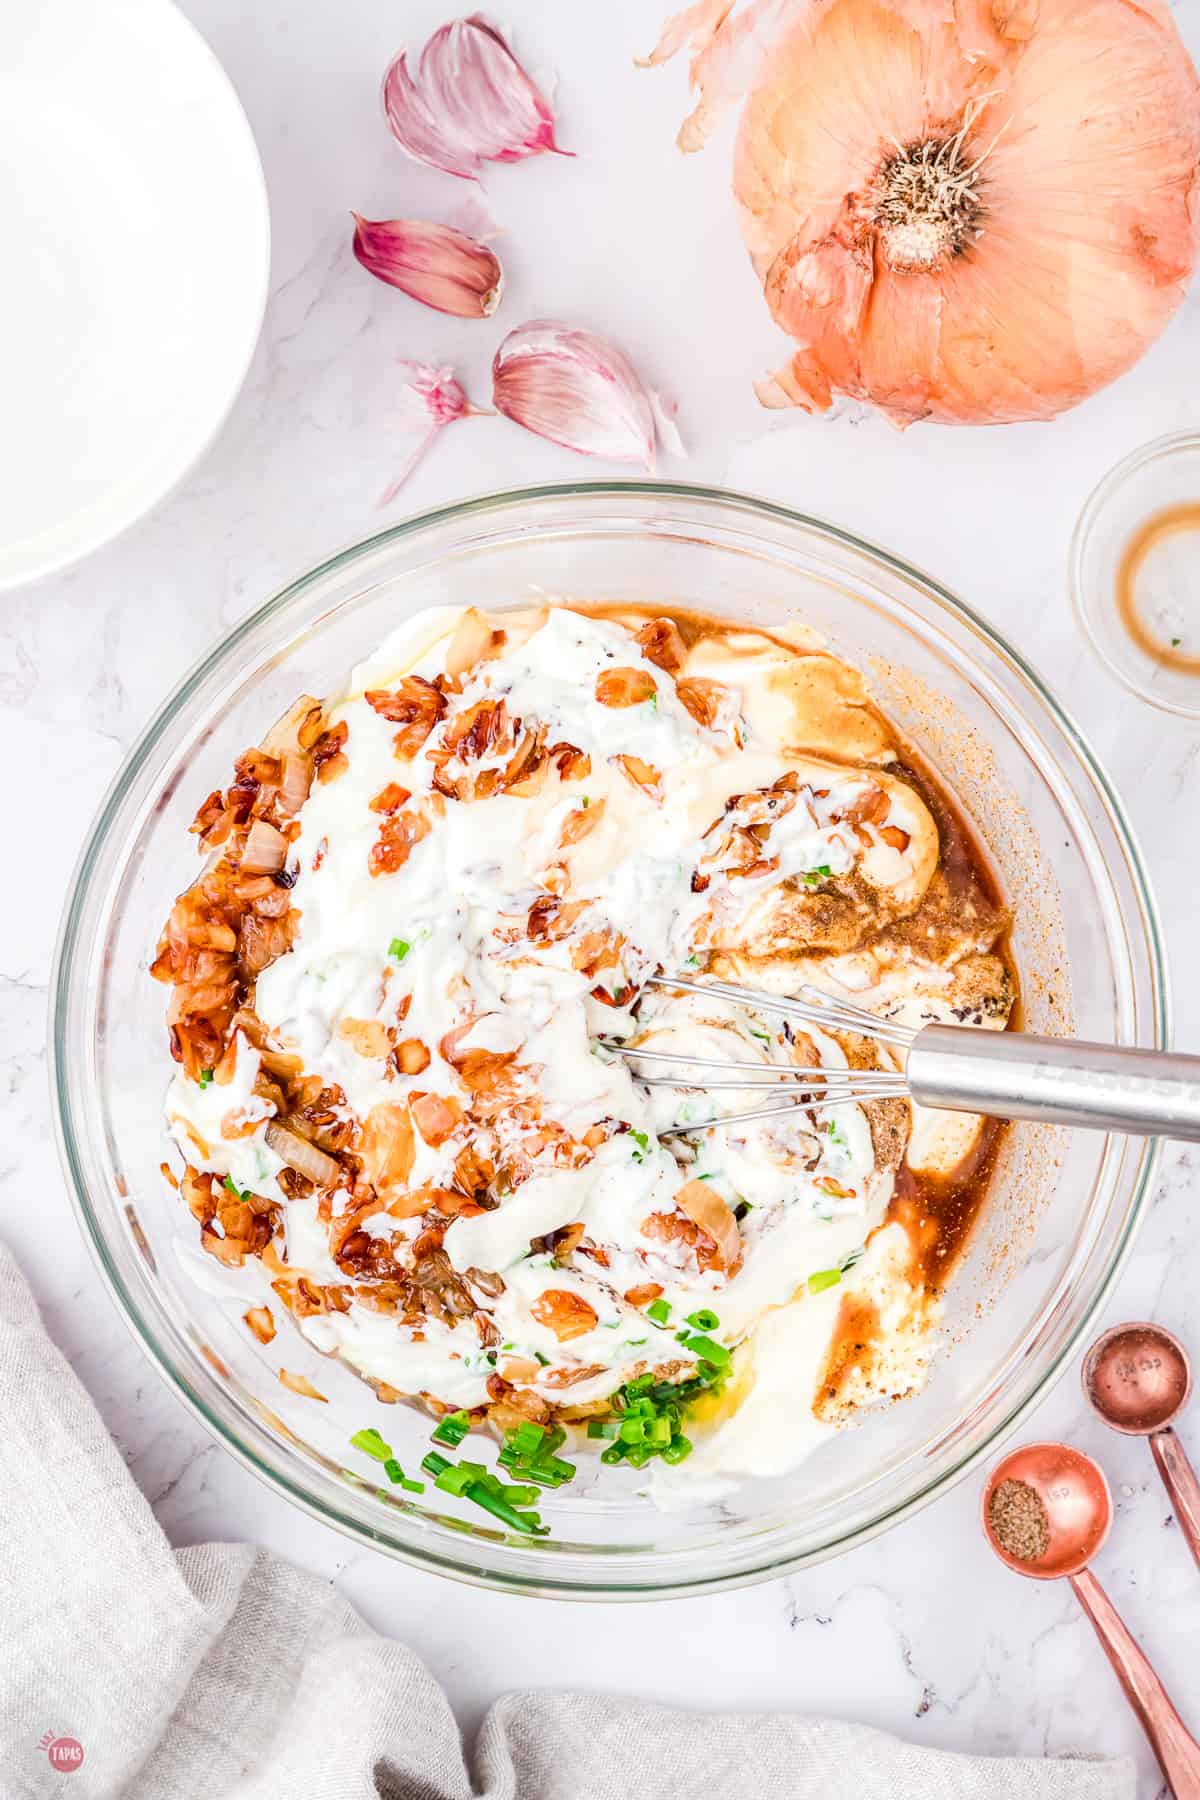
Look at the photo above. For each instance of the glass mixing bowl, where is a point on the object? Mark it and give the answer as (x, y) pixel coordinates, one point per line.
(1064, 1205)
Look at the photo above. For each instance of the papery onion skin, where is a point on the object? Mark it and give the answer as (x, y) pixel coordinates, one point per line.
(1087, 115)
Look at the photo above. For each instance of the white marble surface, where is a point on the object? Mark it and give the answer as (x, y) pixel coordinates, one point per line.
(921, 1632)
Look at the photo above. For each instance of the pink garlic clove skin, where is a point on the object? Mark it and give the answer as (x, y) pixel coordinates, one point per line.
(576, 389)
(468, 102)
(435, 264)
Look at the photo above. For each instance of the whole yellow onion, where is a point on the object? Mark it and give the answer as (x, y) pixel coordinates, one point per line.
(963, 210)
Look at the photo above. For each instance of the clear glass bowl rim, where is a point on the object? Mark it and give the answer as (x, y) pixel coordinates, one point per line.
(464, 1568)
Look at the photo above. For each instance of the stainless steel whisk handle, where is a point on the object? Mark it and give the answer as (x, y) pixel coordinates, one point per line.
(1012, 1075)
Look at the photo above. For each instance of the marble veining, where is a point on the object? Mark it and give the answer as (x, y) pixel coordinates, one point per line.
(920, 1631)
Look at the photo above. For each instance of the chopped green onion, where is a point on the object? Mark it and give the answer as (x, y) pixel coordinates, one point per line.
(708, 1350)
(527, 1522)
(233, 1187)
(399, 948)
(614, 1454)
(456, 1479)
(392, 1470)
(585, 803)
(206, 1076)
(659, 1310)
(603, 1428)
(371, 1444)
(824, 1278)
(704, 1320)
(452, 1429)
(434, 1464)
(642, 1140)
(526, 1438)
(677, 1449)
(412, 1487)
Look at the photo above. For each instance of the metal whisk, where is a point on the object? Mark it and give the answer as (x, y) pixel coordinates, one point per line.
(951, 1068)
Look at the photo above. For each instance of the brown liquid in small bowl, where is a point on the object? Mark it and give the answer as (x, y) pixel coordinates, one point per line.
(1170, 522)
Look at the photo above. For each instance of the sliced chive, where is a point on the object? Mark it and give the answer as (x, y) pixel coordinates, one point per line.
(371, 1444)
(708, 1350)
(527, 1438)
(452, 1429)
(527, 1522)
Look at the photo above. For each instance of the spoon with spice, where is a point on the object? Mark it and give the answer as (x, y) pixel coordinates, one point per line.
(1138, 1378)
(1046, 1512)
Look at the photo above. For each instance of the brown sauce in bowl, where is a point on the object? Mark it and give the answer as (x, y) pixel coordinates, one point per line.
(1171, 522)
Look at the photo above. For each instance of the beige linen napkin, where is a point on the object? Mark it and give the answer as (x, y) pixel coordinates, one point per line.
(222, 1673)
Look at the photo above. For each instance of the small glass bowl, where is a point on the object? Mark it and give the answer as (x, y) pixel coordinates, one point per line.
(1153, 481)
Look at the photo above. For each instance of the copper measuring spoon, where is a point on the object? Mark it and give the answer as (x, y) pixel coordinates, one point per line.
(1138, 1378)
(1078, 1508)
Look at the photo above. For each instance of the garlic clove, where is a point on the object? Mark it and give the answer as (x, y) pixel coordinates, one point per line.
(433, 398)
(435, 264)
(576, 389)
(468, 102)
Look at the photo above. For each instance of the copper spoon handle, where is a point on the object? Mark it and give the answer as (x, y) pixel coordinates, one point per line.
(1177, 1751)
(1179, 1479)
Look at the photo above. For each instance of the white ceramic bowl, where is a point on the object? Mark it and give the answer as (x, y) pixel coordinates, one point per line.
(136, 260)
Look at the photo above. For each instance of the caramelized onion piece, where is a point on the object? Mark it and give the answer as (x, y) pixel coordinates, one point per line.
(300, 1384)
(294, 783)
(264, 851)
(661, 642)
(258, 1319)
(386, 1146)
(302, 1156)
(711, 1214)
(564, 1312)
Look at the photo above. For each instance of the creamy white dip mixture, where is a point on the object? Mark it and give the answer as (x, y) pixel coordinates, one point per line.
(479, 894)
